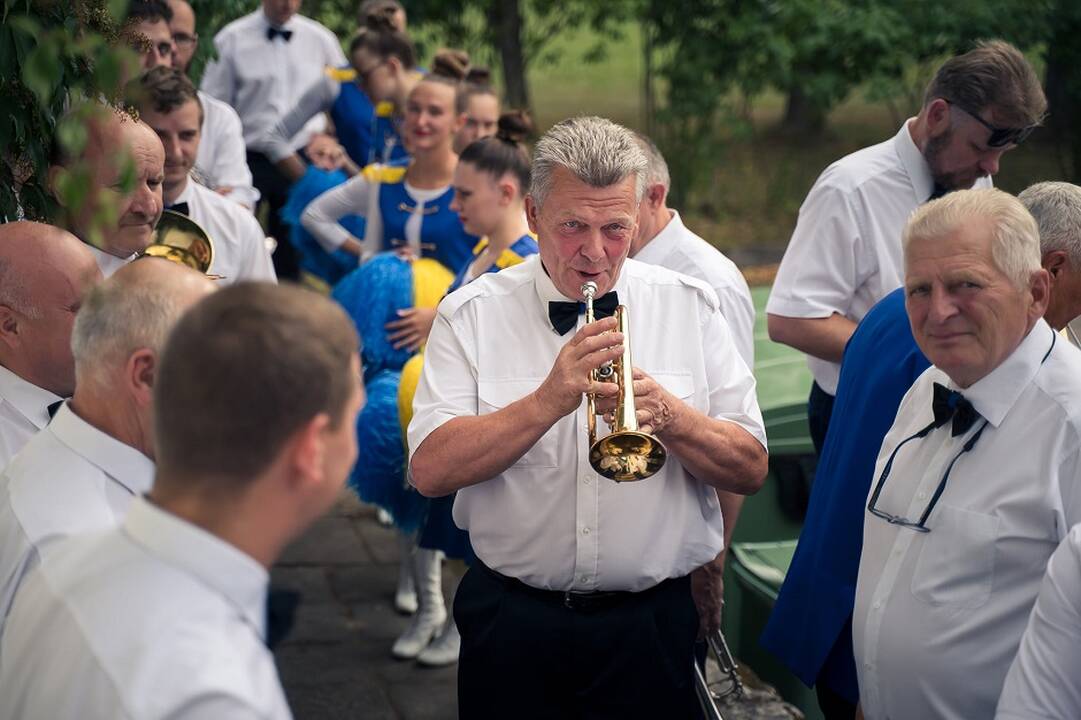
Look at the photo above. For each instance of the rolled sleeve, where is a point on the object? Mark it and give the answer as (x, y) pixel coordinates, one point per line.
(448, 382)
(820, 270)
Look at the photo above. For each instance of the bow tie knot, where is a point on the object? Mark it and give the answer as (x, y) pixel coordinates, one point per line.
(564, 315)
(951, 404)
(273, 32)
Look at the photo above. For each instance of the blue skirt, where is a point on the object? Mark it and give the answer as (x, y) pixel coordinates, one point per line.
(440, 533)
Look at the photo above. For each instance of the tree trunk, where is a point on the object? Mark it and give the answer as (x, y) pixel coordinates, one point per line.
(1061, 85)
(506, 25)
(801, 116)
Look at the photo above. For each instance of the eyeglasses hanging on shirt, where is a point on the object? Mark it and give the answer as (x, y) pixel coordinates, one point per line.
(947, 405)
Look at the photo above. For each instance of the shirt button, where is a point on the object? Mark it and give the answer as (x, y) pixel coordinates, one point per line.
(584, 578)
(585, 531)
(877, 605)
(921, 495)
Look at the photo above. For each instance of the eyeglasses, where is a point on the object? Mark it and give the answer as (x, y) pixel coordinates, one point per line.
(1000, 137)
(184, 40)
(163, 48)
(919, 525)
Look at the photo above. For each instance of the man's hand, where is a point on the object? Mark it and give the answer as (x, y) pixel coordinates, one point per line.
(707, 589)
(654, 406)
(595, 344)
(411, 331)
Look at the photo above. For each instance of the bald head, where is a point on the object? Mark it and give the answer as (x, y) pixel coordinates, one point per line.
(44, 274)
(115, 143)
(131, 311)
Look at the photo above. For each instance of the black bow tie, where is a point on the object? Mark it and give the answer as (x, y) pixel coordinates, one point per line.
(53, 407)
(564, 315)
(272, 32)
(181, 208)
(949, 404)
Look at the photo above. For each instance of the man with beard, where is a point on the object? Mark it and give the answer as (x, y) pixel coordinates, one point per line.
(845, 253)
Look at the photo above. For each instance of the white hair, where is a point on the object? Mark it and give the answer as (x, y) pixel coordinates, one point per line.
(1015, 238)
(117, 318)
(1057, 209)
(657, 168)
(599, 152)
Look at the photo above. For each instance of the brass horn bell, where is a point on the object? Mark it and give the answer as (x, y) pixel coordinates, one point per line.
(182, 240)
(626, 454)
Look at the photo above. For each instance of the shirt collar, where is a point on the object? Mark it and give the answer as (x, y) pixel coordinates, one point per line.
(215, 563)
(29, 399)
(547, 291)
(119, 461)
(109, 263)
(663, 242)
(186, 194)
(996, 392)
(919, 173)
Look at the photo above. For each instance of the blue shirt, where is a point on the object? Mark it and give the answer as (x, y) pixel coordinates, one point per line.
(522, 248)
(810, 629)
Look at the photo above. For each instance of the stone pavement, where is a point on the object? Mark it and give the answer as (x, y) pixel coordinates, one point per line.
(336, 662)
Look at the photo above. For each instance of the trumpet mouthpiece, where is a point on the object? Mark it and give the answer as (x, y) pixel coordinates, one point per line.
(589, 288)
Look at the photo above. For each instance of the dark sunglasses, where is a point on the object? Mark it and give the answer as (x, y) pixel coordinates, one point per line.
(1000, 137)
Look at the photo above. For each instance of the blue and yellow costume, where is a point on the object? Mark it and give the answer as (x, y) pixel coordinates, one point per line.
(438, 531)
(329, 267)
(372, 295)
(441, 233)
(366, 131)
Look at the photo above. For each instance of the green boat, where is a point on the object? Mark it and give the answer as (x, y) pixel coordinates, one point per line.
(770, 523)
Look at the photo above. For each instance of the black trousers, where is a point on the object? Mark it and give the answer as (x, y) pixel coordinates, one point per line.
(833, 705)
(526, 654)
(274, 193)
(819, 409)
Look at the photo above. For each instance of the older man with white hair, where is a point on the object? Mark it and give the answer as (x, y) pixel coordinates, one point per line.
(977, 481)
(82, 471)
(580, 599)
(1057, 209)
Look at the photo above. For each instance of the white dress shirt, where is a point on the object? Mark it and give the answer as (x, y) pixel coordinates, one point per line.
(677, 248)
(938, 616)
(1043, 680)
(221, 160)
(107, 263)
(262, 78)
(240, 250)
(319, 98)
(24, 409)
(549, 519)
(360, 196)
(845, 253)
(71, 478)
(153, 619)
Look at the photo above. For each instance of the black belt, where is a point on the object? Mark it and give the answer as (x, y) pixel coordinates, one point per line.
(573, 599)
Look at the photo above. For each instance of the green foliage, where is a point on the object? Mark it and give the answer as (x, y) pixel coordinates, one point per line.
(52, 56)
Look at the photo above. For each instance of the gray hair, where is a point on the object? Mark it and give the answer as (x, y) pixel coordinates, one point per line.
(1057, 209)
(1015, 238)
(14, 292)
(115, 320)
(657, 168)
(599, 152)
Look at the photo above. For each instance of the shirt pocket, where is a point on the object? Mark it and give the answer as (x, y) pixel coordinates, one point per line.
(680, 384)
(495, 395)
(956, 565)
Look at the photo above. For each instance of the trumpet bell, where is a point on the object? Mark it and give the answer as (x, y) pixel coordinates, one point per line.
(180, 239)
(627, 456)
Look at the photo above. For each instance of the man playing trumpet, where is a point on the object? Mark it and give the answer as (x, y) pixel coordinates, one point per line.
(580, 602)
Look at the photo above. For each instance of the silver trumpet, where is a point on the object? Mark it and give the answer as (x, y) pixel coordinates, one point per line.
(716, 644)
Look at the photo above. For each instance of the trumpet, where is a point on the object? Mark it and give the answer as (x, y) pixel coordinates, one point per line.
(626, 454)
(733, 685)
(180, 239)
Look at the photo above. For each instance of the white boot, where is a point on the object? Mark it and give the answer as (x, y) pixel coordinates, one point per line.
(444, 649)
(405, 598)
(431, 611)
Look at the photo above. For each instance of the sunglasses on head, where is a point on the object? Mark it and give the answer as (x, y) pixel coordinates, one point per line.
(1000, 137)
